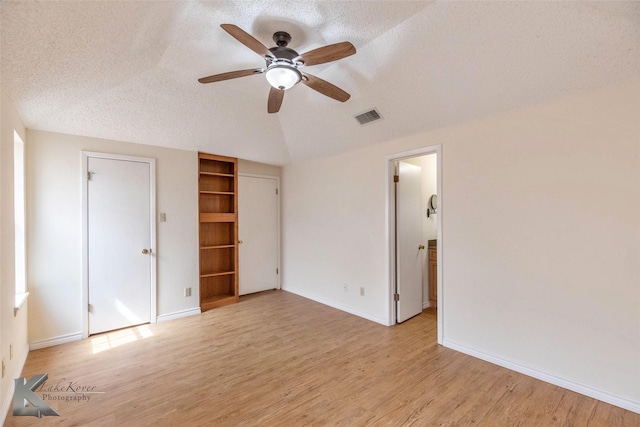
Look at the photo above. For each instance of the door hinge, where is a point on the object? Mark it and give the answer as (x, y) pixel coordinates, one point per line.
(90, 308)
(277, 271)
(89, 175)
(396, 297)
(276, 191)
(396, 178)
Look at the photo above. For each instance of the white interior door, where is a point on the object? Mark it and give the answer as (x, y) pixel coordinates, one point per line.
(118, 244)
(408, 241)
(258, 232)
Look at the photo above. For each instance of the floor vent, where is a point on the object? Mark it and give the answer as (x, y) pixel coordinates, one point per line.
(368, 117)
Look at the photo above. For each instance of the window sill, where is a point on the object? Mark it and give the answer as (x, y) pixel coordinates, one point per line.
(20, 300)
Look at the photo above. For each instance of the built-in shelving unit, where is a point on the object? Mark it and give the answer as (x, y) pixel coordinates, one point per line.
(218, 209)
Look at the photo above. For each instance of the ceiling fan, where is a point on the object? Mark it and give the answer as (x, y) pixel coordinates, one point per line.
(283, 63)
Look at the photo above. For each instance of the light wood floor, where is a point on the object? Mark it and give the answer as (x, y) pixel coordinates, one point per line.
(276, 359)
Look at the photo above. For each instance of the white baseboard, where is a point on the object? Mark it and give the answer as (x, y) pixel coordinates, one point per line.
(333, 304)
(586, 390)
(426, 304)
(62, 339)
(178, 314)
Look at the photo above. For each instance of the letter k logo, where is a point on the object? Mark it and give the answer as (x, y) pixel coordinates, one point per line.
(24, 393)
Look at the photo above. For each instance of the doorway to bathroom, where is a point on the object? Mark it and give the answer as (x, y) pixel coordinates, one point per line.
(415, 219)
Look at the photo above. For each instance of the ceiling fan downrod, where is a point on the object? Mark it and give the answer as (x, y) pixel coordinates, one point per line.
(281, 38)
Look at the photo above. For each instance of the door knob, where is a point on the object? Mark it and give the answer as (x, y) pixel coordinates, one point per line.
(420, 247)
(145, 251)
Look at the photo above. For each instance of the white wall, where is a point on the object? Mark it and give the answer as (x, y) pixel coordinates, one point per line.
(429, 166)
(255, 168)
(541, 237)
(55, 233)
(333, 232)
(13, 329)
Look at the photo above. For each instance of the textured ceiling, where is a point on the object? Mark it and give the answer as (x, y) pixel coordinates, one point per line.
(128, 70)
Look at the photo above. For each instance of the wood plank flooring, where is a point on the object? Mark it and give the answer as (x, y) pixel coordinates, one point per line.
(276, 359)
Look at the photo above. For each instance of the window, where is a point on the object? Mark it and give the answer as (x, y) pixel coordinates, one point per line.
(19, 221)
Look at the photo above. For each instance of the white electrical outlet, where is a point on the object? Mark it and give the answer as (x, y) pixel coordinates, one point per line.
(163, 217)
(187, 292)
(345, 287)
(361, 291)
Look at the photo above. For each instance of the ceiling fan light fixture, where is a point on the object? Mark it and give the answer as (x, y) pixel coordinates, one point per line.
(283, 76)
(281, 65)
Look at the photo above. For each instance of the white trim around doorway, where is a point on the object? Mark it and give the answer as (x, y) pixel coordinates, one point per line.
(391, 235)
(85, 244)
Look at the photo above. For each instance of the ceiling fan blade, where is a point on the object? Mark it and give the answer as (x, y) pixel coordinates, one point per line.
(247, 39)
(325, 88)
(275, 100)
(329, 53)
(231, 75)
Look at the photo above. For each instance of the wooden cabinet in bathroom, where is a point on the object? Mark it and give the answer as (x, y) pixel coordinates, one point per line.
(432, 265)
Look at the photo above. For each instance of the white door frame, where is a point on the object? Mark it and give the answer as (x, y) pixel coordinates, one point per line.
(85, 230)
(391, 232)
(277, 179)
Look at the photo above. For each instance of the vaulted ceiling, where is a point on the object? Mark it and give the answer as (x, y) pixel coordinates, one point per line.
(128, 70)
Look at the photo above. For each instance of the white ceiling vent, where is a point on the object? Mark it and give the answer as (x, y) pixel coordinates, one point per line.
(368, 116)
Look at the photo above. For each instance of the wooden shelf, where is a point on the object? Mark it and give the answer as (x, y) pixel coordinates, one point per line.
(223, 193)
(218, 217)
(218, 230)
(218, 247)
(217, 301)
(223, 273)
(228, 175)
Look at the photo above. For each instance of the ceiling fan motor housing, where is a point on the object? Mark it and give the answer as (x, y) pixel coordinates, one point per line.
(284, 53)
